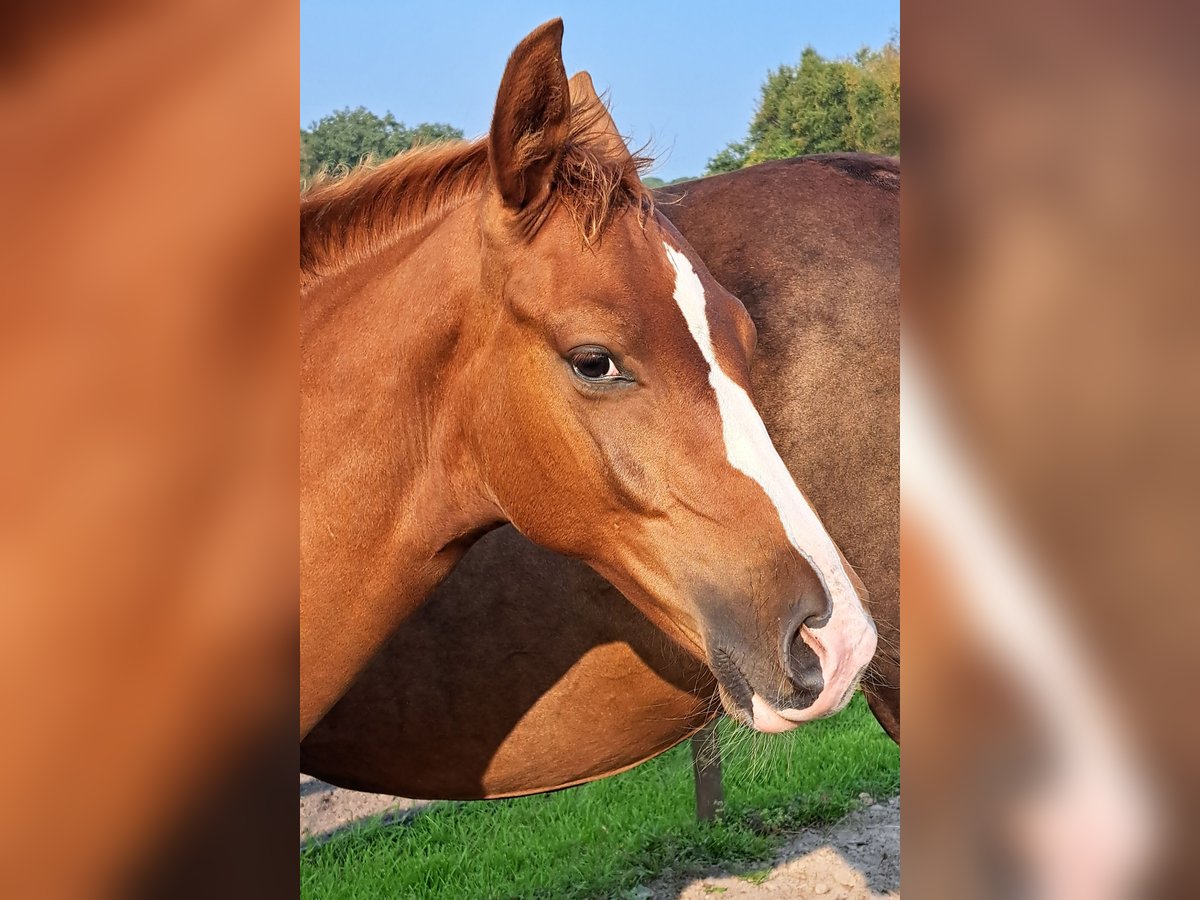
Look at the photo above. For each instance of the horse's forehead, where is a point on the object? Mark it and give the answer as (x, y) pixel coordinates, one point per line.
(628, 250)
(633, 272)
(626, 266)
(631, 258)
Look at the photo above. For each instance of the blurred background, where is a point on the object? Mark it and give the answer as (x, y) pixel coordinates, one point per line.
(1048, 450)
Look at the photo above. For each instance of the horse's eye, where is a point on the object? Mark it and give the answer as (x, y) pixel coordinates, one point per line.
(594, 364)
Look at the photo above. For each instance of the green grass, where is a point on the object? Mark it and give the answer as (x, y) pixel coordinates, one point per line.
(605, 838)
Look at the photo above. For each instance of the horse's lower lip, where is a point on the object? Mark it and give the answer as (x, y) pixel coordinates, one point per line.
(801, 716)
(766, 719)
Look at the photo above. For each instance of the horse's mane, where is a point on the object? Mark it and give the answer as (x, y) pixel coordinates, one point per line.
(347, 219)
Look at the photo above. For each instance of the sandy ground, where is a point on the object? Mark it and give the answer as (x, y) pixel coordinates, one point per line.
(857, 858)
(325, 808)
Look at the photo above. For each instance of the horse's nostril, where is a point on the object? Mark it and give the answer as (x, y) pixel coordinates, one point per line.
(812, 610)
(803, 665)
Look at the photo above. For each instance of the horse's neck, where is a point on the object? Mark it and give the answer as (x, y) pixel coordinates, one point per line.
(387, 506)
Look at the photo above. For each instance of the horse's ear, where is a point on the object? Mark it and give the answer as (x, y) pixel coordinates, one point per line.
(532, 119)
(598, 121)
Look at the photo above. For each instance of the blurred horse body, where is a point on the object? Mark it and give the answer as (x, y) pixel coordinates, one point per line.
(553, 678)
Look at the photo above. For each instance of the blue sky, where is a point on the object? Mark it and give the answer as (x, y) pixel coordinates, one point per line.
(685, 76)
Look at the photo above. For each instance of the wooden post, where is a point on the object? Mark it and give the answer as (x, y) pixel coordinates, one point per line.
(706, 767)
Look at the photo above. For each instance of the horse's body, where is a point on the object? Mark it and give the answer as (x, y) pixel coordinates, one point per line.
(506, 330)
(551, 677)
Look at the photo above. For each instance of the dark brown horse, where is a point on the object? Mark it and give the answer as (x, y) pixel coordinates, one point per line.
(552, 678)
(507, 331)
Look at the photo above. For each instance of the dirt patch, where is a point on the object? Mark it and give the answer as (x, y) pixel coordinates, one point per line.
(857, 858)
(325, 809)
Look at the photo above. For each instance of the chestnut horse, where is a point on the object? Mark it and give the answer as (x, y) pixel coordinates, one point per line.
(551, 677)
(507, 331)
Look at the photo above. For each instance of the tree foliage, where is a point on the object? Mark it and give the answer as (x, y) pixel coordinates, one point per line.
(350, 136)
(653, 181)
(823, 106)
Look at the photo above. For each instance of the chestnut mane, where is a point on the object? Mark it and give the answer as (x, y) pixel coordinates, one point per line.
(347, 219)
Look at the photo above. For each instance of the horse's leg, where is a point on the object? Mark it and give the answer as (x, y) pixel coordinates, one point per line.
(706, 766)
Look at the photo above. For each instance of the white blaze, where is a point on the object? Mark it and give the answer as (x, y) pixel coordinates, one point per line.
(847, 641)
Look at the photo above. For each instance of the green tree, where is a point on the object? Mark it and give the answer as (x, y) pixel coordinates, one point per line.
(820, 106)
(653, 181)
(731, 158)
(876, 104)
(350, 136)
(823, 106)
(868, 109)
